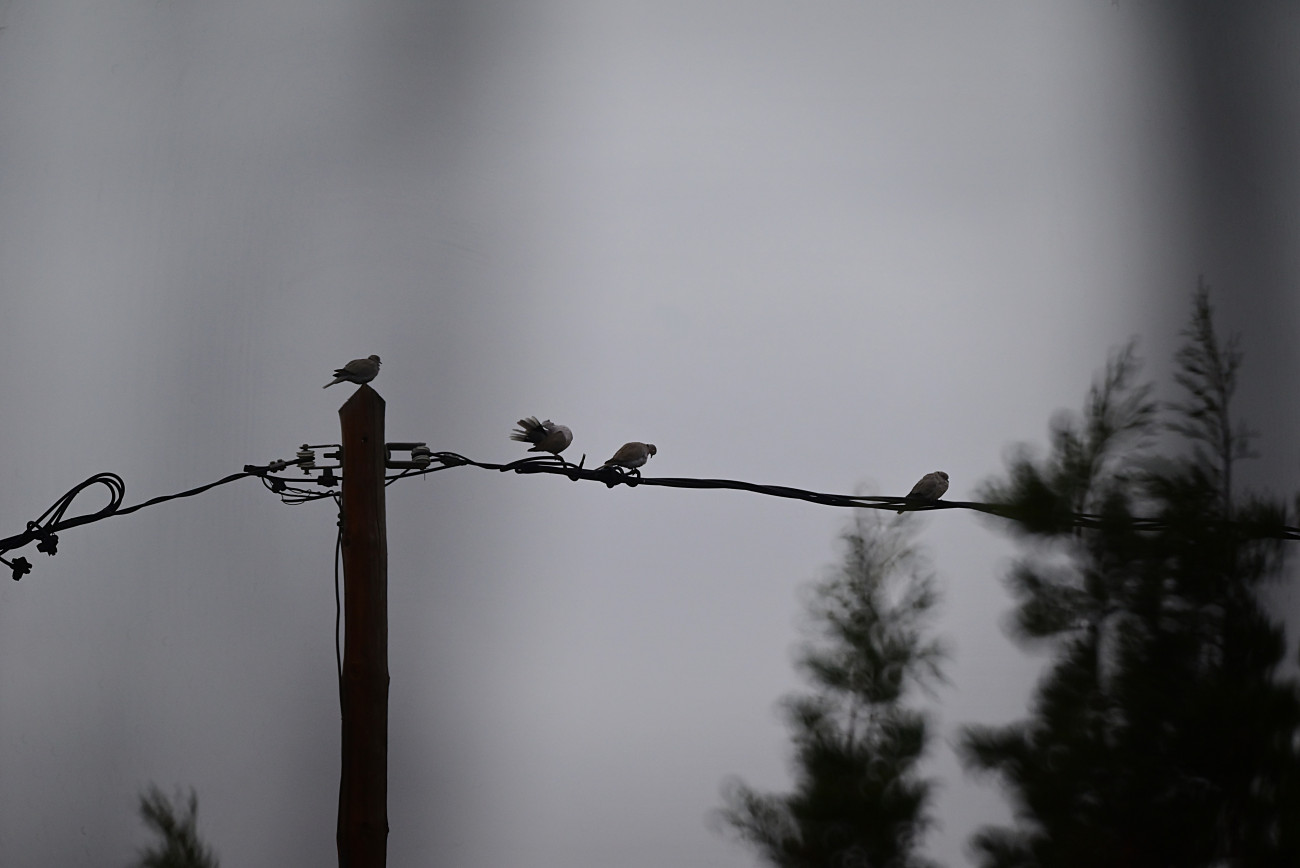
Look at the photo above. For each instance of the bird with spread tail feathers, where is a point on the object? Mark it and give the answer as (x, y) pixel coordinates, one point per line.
(356, 371)
(545, 436)
(930, 488)
(630, 456)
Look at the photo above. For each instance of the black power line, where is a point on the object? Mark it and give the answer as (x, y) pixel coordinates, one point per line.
(45, 529)
(612, 476)
(51, 523)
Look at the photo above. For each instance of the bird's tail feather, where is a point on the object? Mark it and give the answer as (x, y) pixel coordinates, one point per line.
(530, 428)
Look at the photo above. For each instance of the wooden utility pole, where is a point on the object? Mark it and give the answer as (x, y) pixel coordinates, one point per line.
(363, 788)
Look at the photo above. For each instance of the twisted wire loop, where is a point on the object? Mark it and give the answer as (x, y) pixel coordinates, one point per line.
(52, 522)
(47, 527)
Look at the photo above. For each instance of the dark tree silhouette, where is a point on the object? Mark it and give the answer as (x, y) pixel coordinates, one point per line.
(177, 828)
(857, 800)
(1161, 734)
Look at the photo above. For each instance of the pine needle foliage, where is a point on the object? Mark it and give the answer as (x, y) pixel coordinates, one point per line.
(1162, 732)
(858, 799)
(176, 825)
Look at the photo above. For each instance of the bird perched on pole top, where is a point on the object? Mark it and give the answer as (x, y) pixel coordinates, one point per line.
(630, 456)
(356, 371)
(929, 489)
(545, 436)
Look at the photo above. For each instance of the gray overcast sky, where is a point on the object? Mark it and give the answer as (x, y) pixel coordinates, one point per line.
(824, 245)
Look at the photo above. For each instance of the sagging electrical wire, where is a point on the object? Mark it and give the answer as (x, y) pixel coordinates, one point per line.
(45, 529)
(612, 476)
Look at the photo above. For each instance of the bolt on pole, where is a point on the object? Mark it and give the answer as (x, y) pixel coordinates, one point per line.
(363, 785)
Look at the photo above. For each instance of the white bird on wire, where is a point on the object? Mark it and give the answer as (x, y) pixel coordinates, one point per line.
(929, 489)
(630, 456)
(356, 371)
(545, 436)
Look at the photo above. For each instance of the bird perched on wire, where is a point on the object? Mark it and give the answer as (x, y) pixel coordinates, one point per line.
(356, 371)
(545, 436)
(630, 456)
(929, 489)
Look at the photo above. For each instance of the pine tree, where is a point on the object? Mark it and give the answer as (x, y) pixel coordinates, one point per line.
(180, 845)
(1161, 734)
(857, 799)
